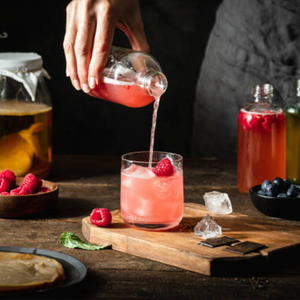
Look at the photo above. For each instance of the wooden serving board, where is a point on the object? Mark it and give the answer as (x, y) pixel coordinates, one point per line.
(180, 247)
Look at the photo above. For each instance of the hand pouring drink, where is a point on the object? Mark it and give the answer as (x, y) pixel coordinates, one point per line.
(151, 182)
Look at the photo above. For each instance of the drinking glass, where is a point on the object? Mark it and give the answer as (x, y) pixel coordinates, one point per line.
(148, 201)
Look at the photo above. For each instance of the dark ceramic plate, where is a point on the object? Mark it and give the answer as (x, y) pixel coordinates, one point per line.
(75, 271)
(276, 207)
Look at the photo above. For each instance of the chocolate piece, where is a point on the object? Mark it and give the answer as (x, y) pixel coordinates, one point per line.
(245, 248)
(219, 241)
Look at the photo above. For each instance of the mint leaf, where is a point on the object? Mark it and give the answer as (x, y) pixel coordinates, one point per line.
(71, 240)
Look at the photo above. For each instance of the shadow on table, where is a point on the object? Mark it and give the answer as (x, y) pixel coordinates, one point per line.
(65, 208)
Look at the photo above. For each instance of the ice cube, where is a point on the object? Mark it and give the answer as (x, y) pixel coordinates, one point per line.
(208, 228)
(218, 203)
(139, 172)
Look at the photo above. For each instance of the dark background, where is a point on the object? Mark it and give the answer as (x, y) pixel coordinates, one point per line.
(177, 32)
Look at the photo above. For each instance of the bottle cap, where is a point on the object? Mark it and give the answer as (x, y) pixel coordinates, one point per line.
(23, 67)
(20, 61)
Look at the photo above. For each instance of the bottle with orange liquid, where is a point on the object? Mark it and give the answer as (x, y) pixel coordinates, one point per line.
(130, 78)
(261, 140)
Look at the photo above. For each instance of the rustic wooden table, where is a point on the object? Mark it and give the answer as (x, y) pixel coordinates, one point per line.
(86, 182)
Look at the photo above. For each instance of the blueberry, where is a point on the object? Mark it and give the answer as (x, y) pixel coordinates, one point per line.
(268, 187)
(264, 184)
(286, 184)
(281, 195)
(291, 191)
(261, 192)
(271, 190)
(277, 181)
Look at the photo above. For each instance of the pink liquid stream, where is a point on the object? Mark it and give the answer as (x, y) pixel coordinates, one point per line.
(154, 119)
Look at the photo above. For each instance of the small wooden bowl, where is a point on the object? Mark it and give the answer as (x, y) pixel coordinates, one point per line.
(20, 206)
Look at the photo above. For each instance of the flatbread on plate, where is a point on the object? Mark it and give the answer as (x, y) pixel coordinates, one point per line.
(21, 271)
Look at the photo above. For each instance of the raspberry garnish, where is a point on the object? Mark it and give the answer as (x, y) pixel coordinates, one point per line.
(10, 176)
(4, 185)
(164, 168)
(21, 190)
(100, 217)
(32, 182)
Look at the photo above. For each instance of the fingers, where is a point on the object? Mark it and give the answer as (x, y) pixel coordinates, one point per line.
(83, 46)
(102, 43)
(68, 45)
(89, 34)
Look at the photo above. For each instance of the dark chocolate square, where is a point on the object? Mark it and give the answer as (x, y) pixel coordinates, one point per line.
(217, 242)
(245, 248)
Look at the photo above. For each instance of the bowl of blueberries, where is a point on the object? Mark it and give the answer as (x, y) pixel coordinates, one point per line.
(278, 198)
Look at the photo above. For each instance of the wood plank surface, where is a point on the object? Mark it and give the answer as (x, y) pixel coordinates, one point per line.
(180, 247)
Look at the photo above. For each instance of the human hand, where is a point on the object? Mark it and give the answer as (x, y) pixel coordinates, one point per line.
(89, 34)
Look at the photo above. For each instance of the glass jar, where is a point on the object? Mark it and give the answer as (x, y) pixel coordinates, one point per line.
(25, 115)
(261, 140)
(292, 115)
(130, 78)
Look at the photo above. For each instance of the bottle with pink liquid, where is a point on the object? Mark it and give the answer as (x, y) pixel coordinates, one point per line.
(131, 78)
(261, 140)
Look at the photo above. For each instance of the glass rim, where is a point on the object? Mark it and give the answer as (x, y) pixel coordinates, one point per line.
(180, 158)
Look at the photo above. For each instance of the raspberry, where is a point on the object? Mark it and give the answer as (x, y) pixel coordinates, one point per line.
(252, 121)
(4, 194)
(268, 122)
(164, 168)
(4, 185)
(100, 217)
(32, 182)
(21, 190)
(43, 190)
(10, 176)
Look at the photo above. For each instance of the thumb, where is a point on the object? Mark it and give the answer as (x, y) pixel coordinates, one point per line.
(136, 34)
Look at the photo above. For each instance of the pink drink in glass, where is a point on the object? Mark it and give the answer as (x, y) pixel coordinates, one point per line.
(149, 201)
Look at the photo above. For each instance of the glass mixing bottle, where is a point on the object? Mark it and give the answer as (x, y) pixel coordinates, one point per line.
(25, 115)
(261, 140)
(292, 114)
(131, 78)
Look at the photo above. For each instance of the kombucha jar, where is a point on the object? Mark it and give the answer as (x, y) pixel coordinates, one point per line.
(25, 115)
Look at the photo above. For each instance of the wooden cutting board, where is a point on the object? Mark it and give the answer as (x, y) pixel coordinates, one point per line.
(180, 247)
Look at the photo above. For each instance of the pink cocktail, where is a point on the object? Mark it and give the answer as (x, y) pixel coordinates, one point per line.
(149, 201)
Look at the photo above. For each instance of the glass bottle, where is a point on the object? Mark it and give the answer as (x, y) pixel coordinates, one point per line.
(25, 115)
(131, 78)
(292, 114)
(261, 140)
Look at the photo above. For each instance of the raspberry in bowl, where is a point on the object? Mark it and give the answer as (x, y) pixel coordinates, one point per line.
(22, 196)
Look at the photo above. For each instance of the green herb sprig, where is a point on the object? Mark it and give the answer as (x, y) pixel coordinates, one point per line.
(71, 240)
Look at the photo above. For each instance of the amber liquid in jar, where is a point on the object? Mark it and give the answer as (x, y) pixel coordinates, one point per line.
(26, 137)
